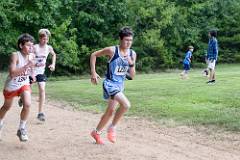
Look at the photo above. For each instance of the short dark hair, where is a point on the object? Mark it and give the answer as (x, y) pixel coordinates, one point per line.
(213, 33)
(125, 32)
(23, 38)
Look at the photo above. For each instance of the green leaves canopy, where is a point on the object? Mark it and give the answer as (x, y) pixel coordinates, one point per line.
(163, 29)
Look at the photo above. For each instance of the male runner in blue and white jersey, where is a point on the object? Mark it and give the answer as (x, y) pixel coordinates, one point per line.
(121, 60)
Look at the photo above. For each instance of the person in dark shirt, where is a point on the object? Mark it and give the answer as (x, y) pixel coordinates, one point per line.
(212, 55)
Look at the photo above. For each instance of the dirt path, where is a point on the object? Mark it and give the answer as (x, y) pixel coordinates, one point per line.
(65, 136)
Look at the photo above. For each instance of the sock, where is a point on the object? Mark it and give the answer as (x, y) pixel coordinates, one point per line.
(22, 124)
(111, 126)
(1, 123)
(98, 132)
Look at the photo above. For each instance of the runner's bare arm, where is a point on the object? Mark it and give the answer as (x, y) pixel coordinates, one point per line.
(52, 66)
(132, 62)
(108, 51)
(13, 70)
(31, 57)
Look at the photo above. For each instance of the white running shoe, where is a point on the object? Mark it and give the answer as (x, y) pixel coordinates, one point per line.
(0, 134)
(22, 135)
(1, 126)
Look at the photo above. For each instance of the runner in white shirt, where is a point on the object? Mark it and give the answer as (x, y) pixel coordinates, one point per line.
(42, 51)
(17, 83)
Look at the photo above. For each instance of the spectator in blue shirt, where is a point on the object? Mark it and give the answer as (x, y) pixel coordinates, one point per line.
(212, 55)
(186, 62)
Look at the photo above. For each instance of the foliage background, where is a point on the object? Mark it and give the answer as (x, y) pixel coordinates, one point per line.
(163, 29)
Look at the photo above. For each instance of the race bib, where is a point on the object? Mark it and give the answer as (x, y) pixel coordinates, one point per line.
(40, 61)
(121, 70)
(21, 79)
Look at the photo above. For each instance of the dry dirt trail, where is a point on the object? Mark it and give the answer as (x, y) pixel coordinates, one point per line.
(65, 136)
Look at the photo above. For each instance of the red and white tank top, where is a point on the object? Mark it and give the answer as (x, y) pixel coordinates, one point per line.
(22, 79)
(41, 54)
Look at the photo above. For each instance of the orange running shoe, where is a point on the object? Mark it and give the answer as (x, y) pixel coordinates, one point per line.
(111, 135)
(97, 137)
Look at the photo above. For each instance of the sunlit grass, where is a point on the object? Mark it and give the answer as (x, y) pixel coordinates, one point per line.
(165, 97)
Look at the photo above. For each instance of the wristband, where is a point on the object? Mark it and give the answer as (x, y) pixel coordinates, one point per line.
(131, 65)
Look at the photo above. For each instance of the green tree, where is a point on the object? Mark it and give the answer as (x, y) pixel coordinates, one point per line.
(150, 19)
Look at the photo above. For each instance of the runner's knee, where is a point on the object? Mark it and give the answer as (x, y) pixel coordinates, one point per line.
(122, 99)
(126, 104)
(26, 106)
(6, 107)
(42, 90)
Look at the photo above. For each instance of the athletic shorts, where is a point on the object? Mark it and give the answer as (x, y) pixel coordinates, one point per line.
(186, 66)
(211, 64)
(11, 94)
(41, 78)
(110, 89)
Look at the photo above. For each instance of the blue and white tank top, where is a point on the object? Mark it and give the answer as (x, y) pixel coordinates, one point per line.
(118, 66)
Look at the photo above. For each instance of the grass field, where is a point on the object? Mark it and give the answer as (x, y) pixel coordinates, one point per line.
(164, 97)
